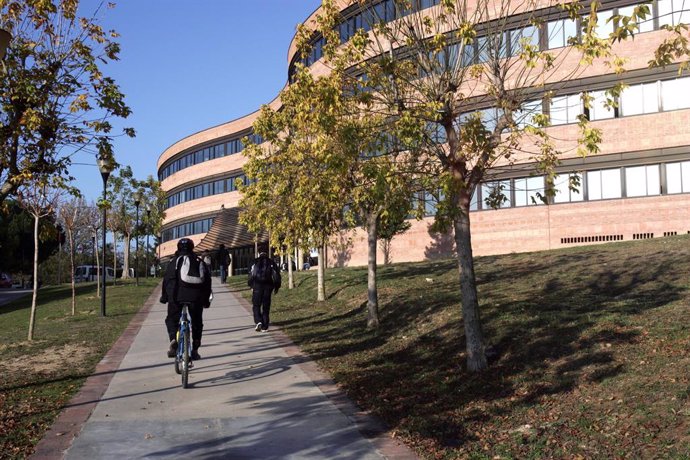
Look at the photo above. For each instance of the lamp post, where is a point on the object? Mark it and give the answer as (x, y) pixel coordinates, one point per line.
(137, 202)
(148, 223)
(5, 38)
(105, 167)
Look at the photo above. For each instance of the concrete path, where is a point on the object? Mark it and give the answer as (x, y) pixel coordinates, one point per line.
(253, 395)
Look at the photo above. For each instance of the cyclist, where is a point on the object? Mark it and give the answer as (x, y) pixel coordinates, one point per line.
(178, 289)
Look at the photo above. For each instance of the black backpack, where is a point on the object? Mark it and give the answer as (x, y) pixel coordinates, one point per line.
(262, 271)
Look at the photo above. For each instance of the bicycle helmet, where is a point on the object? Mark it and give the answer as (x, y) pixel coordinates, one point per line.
(185, 245)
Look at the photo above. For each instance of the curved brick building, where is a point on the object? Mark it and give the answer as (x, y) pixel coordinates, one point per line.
(637, 187)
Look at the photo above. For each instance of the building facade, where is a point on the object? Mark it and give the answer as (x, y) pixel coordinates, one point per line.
(637, 187)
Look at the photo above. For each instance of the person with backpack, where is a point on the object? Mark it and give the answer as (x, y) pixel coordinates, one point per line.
(264, 279)
(187, 280)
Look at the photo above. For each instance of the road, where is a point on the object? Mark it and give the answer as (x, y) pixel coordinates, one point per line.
(7, 295)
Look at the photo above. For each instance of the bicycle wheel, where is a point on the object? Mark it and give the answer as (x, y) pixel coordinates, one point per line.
(186, 359)
(178, 365)
(178, 368)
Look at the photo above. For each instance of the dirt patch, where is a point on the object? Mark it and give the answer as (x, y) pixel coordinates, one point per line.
(51, 359)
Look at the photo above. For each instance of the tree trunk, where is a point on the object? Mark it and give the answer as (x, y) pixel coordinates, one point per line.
(32, 320)
(98, 266)
(321, 276)
(372, 291)
(59, 260)
(71, 264)
(298, 260)
(125, 262)
(114, 256)
(476, 357)
(291, 280)
(386, 249)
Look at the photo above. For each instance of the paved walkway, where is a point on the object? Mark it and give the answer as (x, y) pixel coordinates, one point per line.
(253, 395)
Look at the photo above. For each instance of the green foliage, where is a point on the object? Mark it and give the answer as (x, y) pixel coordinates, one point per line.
(55, 98)
(17, 239)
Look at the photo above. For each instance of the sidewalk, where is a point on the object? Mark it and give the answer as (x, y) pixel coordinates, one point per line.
(253, 395)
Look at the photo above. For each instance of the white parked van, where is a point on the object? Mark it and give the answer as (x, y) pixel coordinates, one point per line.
(90, 273)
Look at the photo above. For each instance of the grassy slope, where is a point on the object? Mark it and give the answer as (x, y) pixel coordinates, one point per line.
(64, 352)
(592, 351)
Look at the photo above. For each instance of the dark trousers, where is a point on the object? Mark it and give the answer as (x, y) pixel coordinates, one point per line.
(223, 273)
(261, 303)
(172, 321)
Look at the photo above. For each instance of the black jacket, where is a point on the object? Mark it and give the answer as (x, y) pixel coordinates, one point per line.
(176, 292)
(274, 283)
(223, 256)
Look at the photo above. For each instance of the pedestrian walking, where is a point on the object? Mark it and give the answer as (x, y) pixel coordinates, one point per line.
(264, 279)
(224, 260)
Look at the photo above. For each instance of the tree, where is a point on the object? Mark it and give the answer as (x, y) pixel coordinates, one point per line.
(91, 221)
(55, 99)
(71, 215)
(297, 180)
(40, 198)
(122, 210)
(16, 238)
(432, 73)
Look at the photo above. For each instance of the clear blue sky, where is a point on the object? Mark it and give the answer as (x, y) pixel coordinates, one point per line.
(190, 65)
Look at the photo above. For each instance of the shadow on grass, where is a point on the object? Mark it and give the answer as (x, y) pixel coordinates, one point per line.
(550, 319)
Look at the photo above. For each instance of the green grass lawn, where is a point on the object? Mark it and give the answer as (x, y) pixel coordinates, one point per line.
(591, 344)
(40, 377)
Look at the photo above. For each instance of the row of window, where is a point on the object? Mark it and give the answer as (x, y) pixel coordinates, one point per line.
(628, 181)
(625, 182)
(230, 147)
(384, 11)
(652, 97)
(215, 187)
(190, 228)
(553, 34)
(556, 34)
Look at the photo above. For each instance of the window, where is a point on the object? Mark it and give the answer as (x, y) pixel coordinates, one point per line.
(642, 181)
(644, 25)
(671, 12)
(678, 177)
(474, 202)
(604, 184)
(675, 94)
(639, 99)
(597, 106)
(564, 194)
(496, 193)
(560, 31)
(437, 133)
(604, 24)
(527, 190)
(524, 116)
(430, 203)
(520, 37)
(565, 109)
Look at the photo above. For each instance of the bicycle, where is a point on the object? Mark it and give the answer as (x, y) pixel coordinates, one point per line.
(183, 358)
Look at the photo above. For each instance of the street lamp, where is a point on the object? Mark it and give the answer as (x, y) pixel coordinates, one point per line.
(105, 167)
(137, 202)
(146, 252)
(5, 38)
